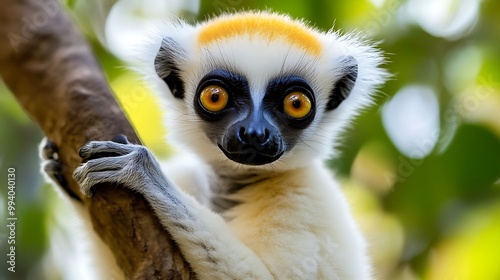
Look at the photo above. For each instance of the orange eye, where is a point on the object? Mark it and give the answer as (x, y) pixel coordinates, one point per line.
(297, 105)
(214, 98)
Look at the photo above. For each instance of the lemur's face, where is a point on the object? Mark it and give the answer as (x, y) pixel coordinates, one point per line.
(260, 89)
(254, 131)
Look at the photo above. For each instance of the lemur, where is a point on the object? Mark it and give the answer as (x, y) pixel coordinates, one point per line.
(258, 101)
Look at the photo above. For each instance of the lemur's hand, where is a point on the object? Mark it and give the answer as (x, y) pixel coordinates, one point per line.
(195, 228)
(51, 165)
(118, 161)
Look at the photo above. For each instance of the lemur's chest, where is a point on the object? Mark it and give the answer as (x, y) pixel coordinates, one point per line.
(257, 196)
(226, 190)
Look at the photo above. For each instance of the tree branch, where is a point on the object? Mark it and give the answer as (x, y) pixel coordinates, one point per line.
(51, 70)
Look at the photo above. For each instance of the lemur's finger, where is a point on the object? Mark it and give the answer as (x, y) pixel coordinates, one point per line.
(94, 178)
(49, 149)
(99, 149)
(98, 165)
(53, 169)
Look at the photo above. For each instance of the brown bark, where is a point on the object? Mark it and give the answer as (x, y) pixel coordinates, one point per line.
(51, 70)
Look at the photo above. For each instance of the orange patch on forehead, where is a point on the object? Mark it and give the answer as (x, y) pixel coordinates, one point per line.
(266, 26)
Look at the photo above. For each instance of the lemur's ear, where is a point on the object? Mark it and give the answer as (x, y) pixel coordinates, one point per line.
(167, 65)
(344, 85)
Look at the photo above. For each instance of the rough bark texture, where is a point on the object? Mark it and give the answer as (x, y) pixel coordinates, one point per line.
(51, 70)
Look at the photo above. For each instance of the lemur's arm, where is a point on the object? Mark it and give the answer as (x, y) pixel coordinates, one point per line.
(205, 240)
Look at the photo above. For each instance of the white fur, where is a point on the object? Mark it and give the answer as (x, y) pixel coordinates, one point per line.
(292, 221)
(297, 222)
(301, 228)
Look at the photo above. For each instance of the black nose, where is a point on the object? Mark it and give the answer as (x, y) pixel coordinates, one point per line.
(254, 136)
(253, 141)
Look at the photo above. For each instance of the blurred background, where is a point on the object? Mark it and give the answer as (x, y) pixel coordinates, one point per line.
(421, 169)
